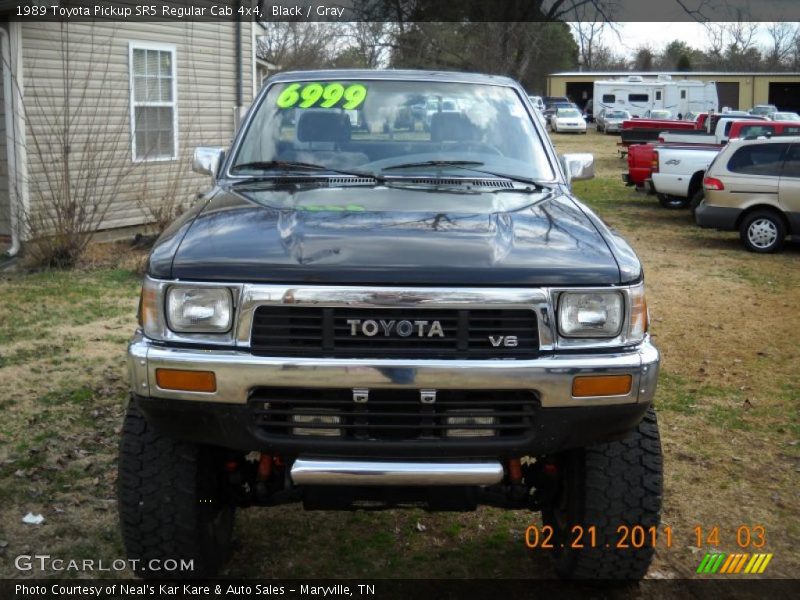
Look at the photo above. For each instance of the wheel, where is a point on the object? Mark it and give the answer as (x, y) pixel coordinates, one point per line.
(697, 198)
(171, 501)
(607, 486)
(672, 201)
(763, 231)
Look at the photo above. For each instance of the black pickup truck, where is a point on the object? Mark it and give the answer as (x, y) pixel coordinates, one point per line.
(391, 297)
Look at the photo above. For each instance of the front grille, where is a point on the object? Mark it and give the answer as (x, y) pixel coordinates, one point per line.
(393, 414)
(343, 332)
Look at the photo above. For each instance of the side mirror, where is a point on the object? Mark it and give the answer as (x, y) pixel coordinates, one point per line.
(578, 166)
(206, 160)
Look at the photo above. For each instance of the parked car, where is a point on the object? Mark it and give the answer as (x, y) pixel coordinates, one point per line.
(753, 187)
(641, 157)
(567, 119)
(537, 102)
(434, 321)
(785, 116)
(658, 113)
(764, 110)
(610, 121)
(551, 108)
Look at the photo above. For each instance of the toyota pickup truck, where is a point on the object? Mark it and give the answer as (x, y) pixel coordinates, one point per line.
(355, 316)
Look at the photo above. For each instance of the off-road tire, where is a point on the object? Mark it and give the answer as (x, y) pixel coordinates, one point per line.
(770, 218)
(171, 501)
(672, 202)
(607, 486)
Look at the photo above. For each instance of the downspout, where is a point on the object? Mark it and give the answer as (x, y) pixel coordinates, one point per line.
(239, 74)
(9, 105)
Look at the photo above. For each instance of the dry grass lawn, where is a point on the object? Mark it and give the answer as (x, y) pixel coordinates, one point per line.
(726, 322)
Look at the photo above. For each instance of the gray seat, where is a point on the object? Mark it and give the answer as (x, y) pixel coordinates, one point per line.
(323, 126)
(452, 127)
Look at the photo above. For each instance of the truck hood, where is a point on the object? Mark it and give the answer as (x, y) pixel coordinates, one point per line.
(390, 235)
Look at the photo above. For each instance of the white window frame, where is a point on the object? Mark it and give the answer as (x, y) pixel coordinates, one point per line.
(134, 45)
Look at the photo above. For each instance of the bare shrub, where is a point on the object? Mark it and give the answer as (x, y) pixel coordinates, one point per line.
(77, 145)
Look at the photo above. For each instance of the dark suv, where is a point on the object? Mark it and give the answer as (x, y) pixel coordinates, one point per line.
(360, 314)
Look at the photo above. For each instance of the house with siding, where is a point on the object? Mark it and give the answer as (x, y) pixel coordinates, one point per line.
(107, 114)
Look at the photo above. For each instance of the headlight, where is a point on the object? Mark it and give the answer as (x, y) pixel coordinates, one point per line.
(199, 310)
(591, 314)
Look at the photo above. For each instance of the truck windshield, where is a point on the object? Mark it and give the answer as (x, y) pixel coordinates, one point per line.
(369, 126)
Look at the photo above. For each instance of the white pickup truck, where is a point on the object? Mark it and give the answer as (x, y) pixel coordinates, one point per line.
(720, 135)
(680, 163)
(678, 172)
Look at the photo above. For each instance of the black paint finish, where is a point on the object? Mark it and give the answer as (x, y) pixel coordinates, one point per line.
(394, 234)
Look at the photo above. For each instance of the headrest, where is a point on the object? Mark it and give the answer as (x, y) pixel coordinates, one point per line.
(323, 126)
(452, 127)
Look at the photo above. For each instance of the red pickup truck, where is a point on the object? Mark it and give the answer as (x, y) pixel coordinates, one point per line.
(642, 157)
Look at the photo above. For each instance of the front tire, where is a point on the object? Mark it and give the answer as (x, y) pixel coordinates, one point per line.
(171, 499)
(605, 487)
(763, 231)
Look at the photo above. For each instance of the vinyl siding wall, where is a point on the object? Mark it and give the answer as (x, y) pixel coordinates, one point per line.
(77, 80)
(5, 218)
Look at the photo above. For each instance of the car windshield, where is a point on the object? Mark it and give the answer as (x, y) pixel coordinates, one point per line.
(372, 126)
(618, 114)
(785, 116)
(568, 112)
(661, 114)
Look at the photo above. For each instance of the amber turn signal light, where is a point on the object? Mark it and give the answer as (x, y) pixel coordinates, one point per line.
(602, 385)
(186, 381)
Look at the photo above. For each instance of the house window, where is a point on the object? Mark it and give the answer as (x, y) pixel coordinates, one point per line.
(638, 97)
(609, 99)
(153, 90)
(683, 94)
(658, 95)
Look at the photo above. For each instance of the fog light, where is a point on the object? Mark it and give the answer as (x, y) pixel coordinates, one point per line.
(314, 418)
(471, 422)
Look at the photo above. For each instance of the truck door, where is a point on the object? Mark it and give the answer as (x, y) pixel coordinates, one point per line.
(789, 188)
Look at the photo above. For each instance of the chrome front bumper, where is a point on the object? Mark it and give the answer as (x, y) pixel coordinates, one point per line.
(238, 372)
(310, 471)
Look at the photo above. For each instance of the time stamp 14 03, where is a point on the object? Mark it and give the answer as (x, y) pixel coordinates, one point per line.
(640, 536)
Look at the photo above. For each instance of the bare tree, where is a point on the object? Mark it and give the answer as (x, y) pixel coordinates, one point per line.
(782, 38)
(77, 147)
(296, 45)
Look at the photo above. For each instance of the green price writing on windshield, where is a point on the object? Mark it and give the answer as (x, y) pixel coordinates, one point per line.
(324, 96)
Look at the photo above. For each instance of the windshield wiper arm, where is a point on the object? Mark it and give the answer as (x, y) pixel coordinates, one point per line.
(284, 165)
(466, 165)
(436, 163)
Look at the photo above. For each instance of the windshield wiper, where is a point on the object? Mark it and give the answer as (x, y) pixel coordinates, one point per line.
(284, 165)
(436, 163)
(466, 165)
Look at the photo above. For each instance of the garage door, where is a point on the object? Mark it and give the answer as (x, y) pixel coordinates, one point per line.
(728, 94)
(785, 95)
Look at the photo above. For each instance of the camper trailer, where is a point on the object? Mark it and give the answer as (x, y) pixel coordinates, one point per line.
(638, 94)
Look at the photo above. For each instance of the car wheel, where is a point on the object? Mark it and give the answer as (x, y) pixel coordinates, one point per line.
(672, 202)
(172, 502)
(697, 199)
(763, 231)
(599, 489)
